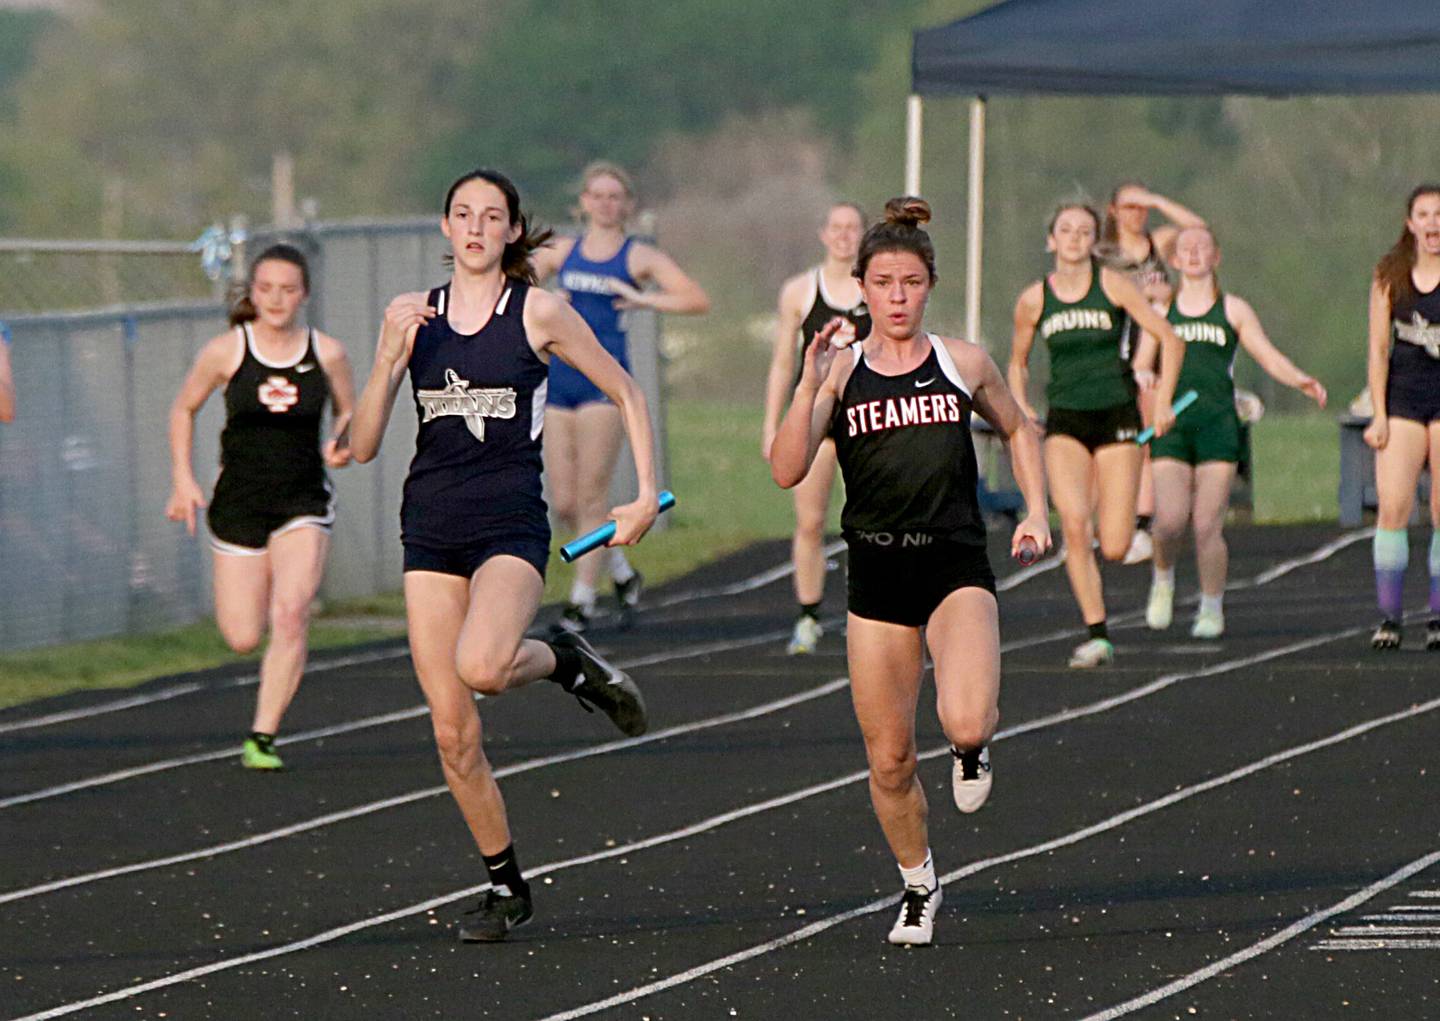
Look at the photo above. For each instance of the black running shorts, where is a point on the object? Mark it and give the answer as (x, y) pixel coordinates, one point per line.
(1119, 423)
(902, 577)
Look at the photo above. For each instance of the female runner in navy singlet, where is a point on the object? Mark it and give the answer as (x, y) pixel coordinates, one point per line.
(898, 407)
(272, 509)
(1404, 376)
(601, 273)
(473, 521)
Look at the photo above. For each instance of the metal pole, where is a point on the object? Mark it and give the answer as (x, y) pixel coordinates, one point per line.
(975, 217)
(913, 129)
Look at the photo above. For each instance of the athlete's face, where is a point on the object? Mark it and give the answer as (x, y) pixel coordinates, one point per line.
(841, 234)
(896, 287)
(1195, 252)
(1424, 223)
(277, 293)
(1073, 237)
(605, 202)
(478, 226)
(1130, 213)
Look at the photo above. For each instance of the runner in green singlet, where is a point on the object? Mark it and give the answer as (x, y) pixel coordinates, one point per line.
(1091, 457)
(1195, 461)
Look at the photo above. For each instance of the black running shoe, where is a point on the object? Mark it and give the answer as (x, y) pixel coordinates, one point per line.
(573, 620)
(627, 598)
(493, 918)
(1386, 636)
(1432, 635)
(605, 688)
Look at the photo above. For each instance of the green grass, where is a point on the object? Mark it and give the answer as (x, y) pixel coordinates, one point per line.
(1297, 468)
(726, 501)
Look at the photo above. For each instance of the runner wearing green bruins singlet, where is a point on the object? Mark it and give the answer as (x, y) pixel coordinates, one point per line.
(1195, 462)
(1091, 458)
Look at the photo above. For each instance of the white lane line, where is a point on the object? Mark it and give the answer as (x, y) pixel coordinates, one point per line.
(756, 581)
(130, 702)
(350, 726)
(1377, 944)
(1278, 939)
(1421, 908)
(1104, 826)
(1062, 716)
(1386, 930)
(712, 823)
(1425, 893)
(191, 687)
(330, 819)
(1433, 930)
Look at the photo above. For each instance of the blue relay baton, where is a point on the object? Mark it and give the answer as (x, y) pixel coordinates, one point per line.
(1184, 401)
(598, 537)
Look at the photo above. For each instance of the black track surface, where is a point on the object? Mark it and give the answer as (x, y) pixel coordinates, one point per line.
(1058, 932)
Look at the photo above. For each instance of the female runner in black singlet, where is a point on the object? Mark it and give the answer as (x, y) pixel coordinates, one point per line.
(473, 521)
(807, 303)
(898, 408)
(272, 509)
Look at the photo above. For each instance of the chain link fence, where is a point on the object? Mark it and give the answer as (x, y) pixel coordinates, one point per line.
(85, 549)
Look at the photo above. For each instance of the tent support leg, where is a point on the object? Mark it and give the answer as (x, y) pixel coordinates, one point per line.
(913, 128)
(975, 219)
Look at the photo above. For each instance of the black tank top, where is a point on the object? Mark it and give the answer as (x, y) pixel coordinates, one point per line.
(1415, 332)
(271, 441)
(905, 451)
(822, 310)
(481, 402)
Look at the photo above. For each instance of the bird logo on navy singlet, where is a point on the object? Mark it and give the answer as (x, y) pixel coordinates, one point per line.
(473, 405)
(1420, 331)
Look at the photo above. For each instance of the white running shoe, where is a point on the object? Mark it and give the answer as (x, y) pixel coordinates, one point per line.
(806, 636)
(916, 925)
(1208, 624)
(970, 778)
(1095, 652)
(1160, 609)
(1142, 548)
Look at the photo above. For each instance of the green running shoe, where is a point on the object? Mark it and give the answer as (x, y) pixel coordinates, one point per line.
(259, 753)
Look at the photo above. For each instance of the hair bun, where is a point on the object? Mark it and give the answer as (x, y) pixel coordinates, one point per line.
(907, 211)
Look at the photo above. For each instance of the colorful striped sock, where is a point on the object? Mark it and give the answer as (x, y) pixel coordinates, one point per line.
(1392, 553)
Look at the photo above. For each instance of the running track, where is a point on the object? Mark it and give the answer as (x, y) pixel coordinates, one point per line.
(1239, 829)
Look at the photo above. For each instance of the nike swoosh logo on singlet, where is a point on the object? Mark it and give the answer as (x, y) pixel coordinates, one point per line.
(305, 368)
(919, 385)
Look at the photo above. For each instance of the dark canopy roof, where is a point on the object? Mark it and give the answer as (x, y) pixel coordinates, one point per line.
(1184, 47)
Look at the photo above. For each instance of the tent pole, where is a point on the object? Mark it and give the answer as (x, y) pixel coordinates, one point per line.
(913, 112)
(975, 219)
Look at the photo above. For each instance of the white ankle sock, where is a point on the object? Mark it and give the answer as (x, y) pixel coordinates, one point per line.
(583, 596)
(1212, 604)
(1165, 576)
(620, 569)
(921, 875)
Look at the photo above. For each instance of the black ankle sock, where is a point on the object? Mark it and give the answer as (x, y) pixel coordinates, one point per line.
(1142, 522)
(265, 741)
(811, 610)
(1098, 631)
(505, 875)
(567, 665)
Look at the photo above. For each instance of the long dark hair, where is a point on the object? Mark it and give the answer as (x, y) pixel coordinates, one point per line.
(515, 260)
(242, 309)
(1393, 270)
(899, 232)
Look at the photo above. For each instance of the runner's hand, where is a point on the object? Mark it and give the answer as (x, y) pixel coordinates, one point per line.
(1036, 528)
(633, 520)
(403, 318)
(336, 454)
(185, 500)
(1377, 433)
(820, 355)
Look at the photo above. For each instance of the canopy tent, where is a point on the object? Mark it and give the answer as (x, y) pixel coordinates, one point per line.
(1162, 48)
